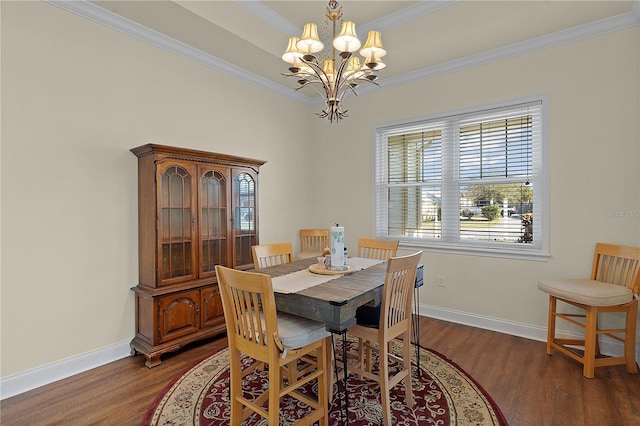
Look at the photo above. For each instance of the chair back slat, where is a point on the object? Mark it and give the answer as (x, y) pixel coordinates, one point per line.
(397, 297)
(272, 254)
(314, 240)
(374, 248)
(616, 264)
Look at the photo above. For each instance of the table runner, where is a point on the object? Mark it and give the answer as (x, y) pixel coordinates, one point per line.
(301, 280)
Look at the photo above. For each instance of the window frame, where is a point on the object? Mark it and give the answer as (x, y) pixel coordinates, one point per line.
(539, 250)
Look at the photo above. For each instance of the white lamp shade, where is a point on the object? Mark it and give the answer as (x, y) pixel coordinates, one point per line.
(310, 42)
(373, 46)
(347, 40)
(292, 55)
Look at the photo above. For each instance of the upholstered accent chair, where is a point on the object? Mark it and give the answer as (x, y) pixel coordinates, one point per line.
(614, 286)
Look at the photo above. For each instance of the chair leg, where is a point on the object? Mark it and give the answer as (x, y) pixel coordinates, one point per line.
(365, 354)
(384, 385)
(597, 350)
(361, 354)
(329, 354)
(235, 387)
(275, 379)
(630, 339)
(324, 381)
(551, 324)
(591, 328)
(406, 360)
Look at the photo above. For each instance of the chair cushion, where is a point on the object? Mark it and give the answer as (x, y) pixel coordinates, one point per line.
(587, 292)
(296, 332)
(368, 316)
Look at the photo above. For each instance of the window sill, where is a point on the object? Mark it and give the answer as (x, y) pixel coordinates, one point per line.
(530, 253)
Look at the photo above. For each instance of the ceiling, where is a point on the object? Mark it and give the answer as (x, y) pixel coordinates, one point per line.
(422, 38)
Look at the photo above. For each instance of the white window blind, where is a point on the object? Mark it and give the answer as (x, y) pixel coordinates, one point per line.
(472, 181)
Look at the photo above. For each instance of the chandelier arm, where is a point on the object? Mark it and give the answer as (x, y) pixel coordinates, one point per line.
(314, 65)
(351, 88)
(348, 86)
(340, 81)
(312, 84)
(319, 71)
(369, 81)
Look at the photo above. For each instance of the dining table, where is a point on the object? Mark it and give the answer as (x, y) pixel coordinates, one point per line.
(333, 302)
(330, 297)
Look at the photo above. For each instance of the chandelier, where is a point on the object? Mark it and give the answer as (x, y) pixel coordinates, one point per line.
(334, 81)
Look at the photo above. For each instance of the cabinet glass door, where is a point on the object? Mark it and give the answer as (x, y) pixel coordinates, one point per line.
(176, 223)
(213, 221)
(244, 218)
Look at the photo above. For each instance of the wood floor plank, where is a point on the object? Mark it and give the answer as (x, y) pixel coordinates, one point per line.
(530, 387)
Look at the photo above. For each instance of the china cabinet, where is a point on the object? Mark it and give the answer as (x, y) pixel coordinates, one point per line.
(196, 210)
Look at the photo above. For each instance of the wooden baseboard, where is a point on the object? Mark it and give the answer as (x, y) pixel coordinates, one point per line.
(607, 346)
(31, 379)
(46, 374)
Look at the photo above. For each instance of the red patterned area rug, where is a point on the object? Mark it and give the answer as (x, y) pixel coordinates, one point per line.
(444, 395)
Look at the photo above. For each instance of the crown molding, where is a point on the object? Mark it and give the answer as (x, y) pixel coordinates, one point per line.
(603, 26)
(267, 14)
(116, 22)
(406, 14)
(133, 29)
(394, 19)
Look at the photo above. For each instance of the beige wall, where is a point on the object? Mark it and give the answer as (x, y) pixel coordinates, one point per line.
(77, 96)
(593, 88)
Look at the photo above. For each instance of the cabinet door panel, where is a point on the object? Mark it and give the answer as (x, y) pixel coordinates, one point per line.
(179, 315)
(176, 223)
(245, 217)
(212, 312)
(213, 202)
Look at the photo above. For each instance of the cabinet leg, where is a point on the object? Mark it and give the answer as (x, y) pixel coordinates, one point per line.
(152, 360)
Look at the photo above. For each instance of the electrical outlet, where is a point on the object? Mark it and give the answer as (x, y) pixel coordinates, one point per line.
(440, 281)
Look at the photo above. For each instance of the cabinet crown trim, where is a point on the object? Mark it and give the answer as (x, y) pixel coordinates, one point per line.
(194, 155)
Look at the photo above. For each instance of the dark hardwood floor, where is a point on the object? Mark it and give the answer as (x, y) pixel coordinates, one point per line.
(530, 387)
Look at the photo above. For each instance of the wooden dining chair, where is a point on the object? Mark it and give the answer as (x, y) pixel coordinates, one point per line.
(275, 339)
(614, 286)
(374, 248)
(313, 242)
(395, 322)
(271, 254)
(276, 254)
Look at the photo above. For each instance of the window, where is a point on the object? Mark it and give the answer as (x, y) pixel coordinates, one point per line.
(473, 182)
